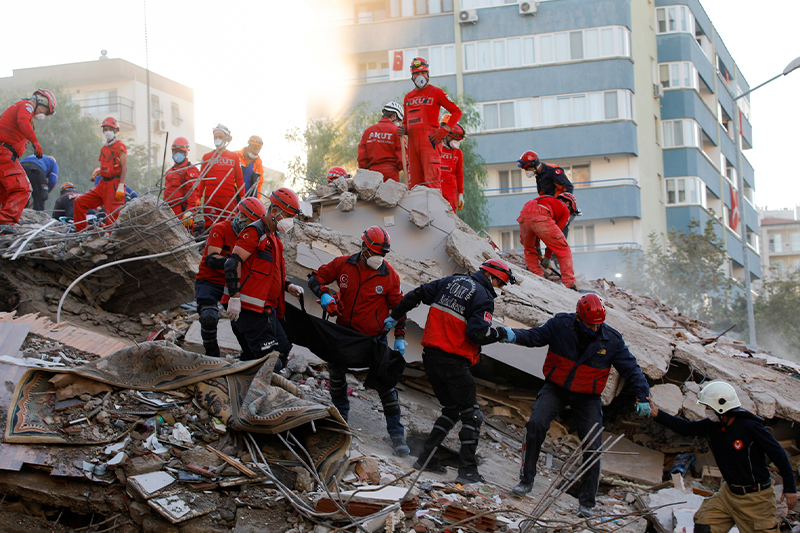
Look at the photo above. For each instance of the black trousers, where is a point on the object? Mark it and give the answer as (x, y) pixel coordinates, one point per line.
(38, 180)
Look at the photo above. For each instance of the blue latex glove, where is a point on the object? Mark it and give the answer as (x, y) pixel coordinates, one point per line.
(400, 346)
(389, 323)
(510, 337)
(325, 299)
(643, 409)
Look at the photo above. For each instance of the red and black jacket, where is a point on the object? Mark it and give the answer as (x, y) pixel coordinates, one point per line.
(553, 181)
(580, 363)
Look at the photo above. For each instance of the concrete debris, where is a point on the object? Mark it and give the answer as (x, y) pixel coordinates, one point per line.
(667, 397)
(347, 202)
(419, 218)
(390, 193)
(646, 467)
(690, 408)
(366, 183)
(343, 185)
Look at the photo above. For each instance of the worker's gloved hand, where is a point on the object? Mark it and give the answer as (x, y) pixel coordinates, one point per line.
(643, 409)
(389, 323)
(460, 204)
(234, 308)
(37, 150)
(401, 130)
(120, 194)
(437, 137)
(545, 262)
(510, 337)
(295, 290)
(400, 346)
(325, 300)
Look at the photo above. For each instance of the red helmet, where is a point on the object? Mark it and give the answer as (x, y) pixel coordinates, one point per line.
(337, 172)
(67, 185)
(528, 160)
(286, 199)
(591, 309)
(376, 239)
(253, 208)
(419, 64)
(51, 100)
(500, 270)
(181, 143)
(569, 199)
(110, 121)
(457, 133)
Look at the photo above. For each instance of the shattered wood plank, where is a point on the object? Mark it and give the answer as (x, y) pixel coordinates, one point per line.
(65, 333)
(233, 462)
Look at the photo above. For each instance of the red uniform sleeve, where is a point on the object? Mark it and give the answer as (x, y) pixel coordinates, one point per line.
(447, 103)
(460, 171)
(330, 272)
(363, 159)
(248, 240)
(193, 191)
(398, 146)
(562, 217)
(238, 179)
(25, 121)
(201, 189)
(216, 237)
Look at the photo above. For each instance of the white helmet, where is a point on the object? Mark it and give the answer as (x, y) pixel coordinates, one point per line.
(719, 396)
(223, 129)
(394, 107)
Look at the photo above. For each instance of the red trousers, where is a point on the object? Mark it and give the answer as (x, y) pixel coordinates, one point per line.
(389, 172)
(424, 161)
(543, 227)
(15, 189)
(103, 194)
(450, 192)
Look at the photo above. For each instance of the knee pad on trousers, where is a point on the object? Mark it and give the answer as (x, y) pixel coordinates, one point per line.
(446, 420)
(471, 421)
(391, 402)
(702, 528)
(209, 317)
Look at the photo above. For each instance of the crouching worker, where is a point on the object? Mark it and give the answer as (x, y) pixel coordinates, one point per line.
(740, 443)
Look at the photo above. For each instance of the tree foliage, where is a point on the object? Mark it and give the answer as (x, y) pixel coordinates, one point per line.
(776, 308)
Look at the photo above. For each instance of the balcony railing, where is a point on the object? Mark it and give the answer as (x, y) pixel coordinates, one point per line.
(118, 106)
(608, 246)
(581, 185)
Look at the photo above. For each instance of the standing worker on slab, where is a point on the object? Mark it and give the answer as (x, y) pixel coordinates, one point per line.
(421, 123)
(109, 192)
(459, 323)
(180, 185)
(368, 288)
(380, 149)
(581, 351)
(453, 168)
(16, 129)
(43, 176)
(221, 187)
(252, 166)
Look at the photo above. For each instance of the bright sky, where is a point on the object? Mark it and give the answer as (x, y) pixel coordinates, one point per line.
(249, 64)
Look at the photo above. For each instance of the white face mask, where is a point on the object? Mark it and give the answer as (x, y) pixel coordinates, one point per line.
(455, 144)
(530, 173)
(285, 224)
(39, 116)
(712, 415)
(252, 155)
(374, 262)
(109, 135)
(217, 142)
(420, 81)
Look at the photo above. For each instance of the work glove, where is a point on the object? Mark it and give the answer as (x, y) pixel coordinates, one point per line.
(234, 308)
(389, 323)
(294, 290)
(437, 137)
(329, 304)
(460, 204)
(643, 408)
(401, 130)
(120, 194)
(400, 346)
(37, 150)
(545, 262)
(510, 337)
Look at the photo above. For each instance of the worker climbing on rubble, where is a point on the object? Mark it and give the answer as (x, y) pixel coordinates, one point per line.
(221, 187)
(582, 348)
(368, 288)
(544, 218)
(740, 443)
(209, 284)
(180, 183)
(337, 172)
(252, 166)
(453, 166)
(421, 109)
(109, 192)
(16, 129)
(380, 149)
(459, 323)
(550, 179)
(255, 276)
(64, 207)
(43, 176)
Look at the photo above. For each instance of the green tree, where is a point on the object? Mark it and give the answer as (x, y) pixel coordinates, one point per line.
(138, 178)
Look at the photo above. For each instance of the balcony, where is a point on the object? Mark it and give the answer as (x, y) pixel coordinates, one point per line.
(117, 106)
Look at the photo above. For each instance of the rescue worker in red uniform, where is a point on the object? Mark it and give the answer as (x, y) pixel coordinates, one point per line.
(459, 323)
(209, 284)
(421, 109)
(581, 351)
(337, 172)
(16, 129)
(453, 168)
(380, 149)
(368, 288)
(544, 218)
(180, 184)
(110, 190)
(255, 275)
(221, 187)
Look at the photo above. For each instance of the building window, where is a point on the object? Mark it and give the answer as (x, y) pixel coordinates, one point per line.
(681, 75)
(155, 107)
(370, 12)
(509, 240)
(775, 244)
(582, 237)
(794, 239)
(674, 19)
(686, 191)
(510, 181)
(101, 103)
(777, 266)
(442, 60)
(578, 175)
(175, 114)
(372, 72)
(475, 4)
(681, 133)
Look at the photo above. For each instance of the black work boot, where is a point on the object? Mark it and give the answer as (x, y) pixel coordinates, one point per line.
(434, 465)
(465, 477)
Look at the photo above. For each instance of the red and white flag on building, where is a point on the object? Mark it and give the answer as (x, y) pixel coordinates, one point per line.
(733, 219)
(398, 60)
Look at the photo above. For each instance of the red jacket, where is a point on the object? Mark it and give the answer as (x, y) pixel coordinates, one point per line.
(222, 165)
(176, 188)
(110, 165)
(366, 295)
(422, 110)
(380, 145)
(263, 279)
(453, 168)
(221, 235)
(16, 126)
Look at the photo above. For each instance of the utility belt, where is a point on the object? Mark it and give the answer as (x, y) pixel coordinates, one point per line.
(10, 148)
(741, 490)
(112, 178)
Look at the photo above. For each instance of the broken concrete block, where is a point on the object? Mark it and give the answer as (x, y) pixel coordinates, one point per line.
(418, 218)
(303, 483)
(692, 386)
(298, 363)
(468, 250)
(347, 202)
(668, 398)
(691, 410)
(148, 484)
(765, 404)
(325, 190)
(646, 468)
(366, 183)
(143, 465)
(138, 511)
(390, 193)
(343, 184)
(201, 456)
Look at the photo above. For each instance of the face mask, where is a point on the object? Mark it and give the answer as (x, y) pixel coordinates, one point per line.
(285, 224)
(217, 142)
(530, 173)
(179, 157)
(420, 81)
(251, 155)
(374, 262)
(109, 135)
(455, 144)
(712, 415)
(588, 331)
(39, 116)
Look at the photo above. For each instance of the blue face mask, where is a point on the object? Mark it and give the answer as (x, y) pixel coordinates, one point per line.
(586, 330)
(179, 157)
(238, 225)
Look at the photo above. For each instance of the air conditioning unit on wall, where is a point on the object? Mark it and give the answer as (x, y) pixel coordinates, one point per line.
(527, 9)
(160, 126)
(468, 16)
(658, 90)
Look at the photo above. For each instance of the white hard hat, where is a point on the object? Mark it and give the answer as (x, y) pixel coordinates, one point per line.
(223, 129)
(719, 396)
(394, 107)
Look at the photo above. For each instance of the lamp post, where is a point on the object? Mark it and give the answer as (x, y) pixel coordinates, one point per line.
(751, 320)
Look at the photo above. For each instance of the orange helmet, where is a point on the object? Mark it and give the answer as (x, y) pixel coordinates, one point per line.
(499, 269)
(529, 159)
(181, 143)
(95, 172)
(445, 119)
(256, 140)
(67, 185)
(337, 172)
(286, 199)
(51, 100)
(252, 208)
(376, 239)
(591, 310)
(111, 122)
(419, 64)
